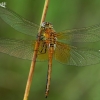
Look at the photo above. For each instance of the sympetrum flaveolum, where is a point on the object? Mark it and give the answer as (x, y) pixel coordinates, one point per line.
(71, 47)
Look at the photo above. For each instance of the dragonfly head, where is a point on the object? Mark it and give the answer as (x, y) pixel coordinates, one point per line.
(46, 25)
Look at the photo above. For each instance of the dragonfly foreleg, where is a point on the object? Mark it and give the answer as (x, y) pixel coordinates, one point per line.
(41, 37)
(44, 48)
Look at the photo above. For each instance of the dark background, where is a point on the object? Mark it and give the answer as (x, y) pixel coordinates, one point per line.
(67, 82)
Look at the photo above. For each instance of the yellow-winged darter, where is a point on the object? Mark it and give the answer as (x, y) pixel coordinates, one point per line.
(60, 45)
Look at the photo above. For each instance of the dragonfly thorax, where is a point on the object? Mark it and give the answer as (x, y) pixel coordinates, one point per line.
(48, 34)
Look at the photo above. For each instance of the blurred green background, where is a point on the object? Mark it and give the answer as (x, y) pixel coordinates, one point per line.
(67, 82)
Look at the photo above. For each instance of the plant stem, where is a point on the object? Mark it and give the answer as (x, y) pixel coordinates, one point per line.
(29, 81)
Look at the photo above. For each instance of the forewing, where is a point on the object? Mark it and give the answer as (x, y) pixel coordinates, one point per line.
(87, 34)
(18, 23)
(70, 55)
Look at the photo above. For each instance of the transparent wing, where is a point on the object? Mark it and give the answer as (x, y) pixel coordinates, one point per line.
(87, 34)
(21, 49)
(78, 57)
(62, 52)
(84, 57)
(17, 48)
(18, 23)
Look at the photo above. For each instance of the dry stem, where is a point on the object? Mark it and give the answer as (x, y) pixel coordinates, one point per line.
(29, 81)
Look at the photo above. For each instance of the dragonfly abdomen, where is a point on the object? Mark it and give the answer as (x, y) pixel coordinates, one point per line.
(52, 40)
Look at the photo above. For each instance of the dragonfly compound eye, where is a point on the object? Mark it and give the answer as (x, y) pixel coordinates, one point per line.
(43, 24)
(46, 25)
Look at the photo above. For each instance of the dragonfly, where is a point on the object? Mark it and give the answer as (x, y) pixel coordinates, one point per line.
(68, 47)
